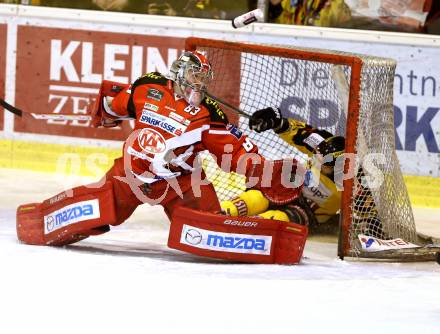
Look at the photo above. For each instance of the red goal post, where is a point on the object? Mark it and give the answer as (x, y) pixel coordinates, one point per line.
(346, 94)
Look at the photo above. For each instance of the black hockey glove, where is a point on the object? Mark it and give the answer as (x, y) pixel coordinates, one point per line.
(266, 119)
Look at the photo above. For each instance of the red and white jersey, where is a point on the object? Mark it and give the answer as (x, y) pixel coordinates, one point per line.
(169, 132)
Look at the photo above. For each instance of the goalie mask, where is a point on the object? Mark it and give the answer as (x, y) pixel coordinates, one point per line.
(192, 73)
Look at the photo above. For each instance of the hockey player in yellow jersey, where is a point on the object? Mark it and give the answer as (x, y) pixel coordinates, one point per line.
(320, 198)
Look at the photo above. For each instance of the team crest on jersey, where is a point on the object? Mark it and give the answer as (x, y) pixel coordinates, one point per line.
(155, 94)
(151, 141)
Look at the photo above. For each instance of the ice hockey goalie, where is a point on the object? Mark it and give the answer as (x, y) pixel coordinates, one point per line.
(174, 121)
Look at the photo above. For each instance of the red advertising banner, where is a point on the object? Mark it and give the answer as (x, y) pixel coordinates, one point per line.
(3, 31)
(60, 70)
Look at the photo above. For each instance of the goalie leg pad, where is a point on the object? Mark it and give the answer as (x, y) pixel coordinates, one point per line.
(206, 199)
(68, 217)
(241, 239)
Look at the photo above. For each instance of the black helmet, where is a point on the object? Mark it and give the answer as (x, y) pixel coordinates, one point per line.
(334, 145)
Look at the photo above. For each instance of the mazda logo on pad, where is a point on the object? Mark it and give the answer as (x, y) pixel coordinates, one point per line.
(50, 223)
(193, 237)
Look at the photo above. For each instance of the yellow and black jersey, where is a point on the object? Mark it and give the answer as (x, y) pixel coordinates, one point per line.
(303, 136)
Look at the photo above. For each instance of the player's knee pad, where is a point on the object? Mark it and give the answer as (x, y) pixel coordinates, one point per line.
(68, 217)
(275, 215)
(296, 214)
(249, 203)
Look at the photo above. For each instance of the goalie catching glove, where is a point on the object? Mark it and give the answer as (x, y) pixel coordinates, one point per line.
(266, 119)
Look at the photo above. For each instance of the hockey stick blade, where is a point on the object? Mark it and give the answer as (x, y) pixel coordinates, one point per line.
(11, 108)
(59, 117)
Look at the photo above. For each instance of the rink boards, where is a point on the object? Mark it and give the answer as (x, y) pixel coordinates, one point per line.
(54, 60)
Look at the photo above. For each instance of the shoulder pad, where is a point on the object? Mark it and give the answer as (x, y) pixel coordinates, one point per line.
(216, 113)
(151, 78)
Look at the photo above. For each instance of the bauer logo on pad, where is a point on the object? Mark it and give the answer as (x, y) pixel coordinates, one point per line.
(225, 242)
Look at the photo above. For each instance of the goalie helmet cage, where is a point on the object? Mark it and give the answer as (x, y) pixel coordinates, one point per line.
(347, 94)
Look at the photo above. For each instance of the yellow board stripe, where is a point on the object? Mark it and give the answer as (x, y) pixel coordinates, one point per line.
(424, 191)
(51, 158)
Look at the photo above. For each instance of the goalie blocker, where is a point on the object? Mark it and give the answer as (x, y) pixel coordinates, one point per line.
(242, 239)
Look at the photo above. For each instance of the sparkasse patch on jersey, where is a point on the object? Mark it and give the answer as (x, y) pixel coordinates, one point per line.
(165, 123)
(225, 242)
(71, 214)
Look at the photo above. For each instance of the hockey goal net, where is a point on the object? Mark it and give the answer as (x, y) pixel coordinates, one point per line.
(346, 94)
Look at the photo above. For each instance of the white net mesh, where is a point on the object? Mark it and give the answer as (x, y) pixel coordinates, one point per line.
(314, 86)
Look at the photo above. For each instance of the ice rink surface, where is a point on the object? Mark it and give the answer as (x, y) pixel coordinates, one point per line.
(128, 281)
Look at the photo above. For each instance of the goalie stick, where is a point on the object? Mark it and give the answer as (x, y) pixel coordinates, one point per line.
(61, 117)
(227, 105)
